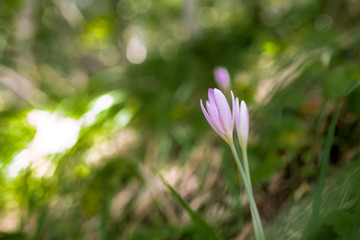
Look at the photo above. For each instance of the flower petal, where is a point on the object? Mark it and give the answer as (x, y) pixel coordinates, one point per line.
(244, 124)
(214, 115)
(218, 114)
(224, 112)
(211, 96)
(233, 108)
(208, 118)
(237, 115)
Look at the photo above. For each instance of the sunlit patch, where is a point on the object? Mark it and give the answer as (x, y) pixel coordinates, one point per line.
(21, 161)
(121, 144)
(123, 117)
(270, 48)
(96, 33)
(136, 51)
(41, 166)
(98, 28)
(54, 134)
(101, 104)
(9, 222)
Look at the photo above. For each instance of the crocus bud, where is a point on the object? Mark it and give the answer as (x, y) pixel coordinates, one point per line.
(222, 78)
(241, 115)
(219, 115)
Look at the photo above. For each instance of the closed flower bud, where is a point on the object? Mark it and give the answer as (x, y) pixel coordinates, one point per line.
(241, 115)
(222, 78)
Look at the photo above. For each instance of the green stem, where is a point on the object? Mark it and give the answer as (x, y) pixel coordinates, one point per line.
(258, 228)
(247, 172)
(246, 165)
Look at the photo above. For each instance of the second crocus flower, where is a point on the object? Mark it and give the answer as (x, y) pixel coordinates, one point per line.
(222, 78)
(241, 115)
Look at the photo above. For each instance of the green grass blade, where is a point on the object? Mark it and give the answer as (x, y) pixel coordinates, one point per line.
(314, 218)
(198, 220)
(353, 88)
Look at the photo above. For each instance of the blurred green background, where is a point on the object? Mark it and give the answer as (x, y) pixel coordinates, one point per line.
(99, 97)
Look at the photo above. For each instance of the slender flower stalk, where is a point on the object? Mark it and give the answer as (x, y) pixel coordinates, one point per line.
(222, 77)
(258, 228)
(246, 164)
(241, 115)
(220, 118)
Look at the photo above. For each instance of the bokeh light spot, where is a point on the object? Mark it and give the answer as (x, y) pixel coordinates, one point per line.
(270, 48)
(136, 51)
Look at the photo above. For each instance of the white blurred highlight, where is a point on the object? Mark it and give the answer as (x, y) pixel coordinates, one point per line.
(100, 105)
(54, 134)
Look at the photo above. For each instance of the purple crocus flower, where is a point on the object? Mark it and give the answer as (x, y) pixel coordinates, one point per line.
(241, 115)
(219, 115)
(222, 77)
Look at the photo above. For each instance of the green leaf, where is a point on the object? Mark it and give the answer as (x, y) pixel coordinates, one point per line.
(340, 221)
(198, 220)
(314, 218)
(313, 223)
(353, 88)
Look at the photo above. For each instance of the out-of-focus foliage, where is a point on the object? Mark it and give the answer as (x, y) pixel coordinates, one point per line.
(96, 96)
(339, 208)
